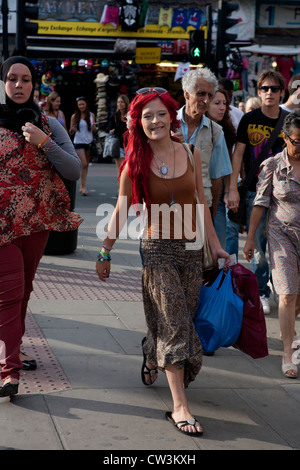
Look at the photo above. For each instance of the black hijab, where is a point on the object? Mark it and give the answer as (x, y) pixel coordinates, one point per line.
(13, 115)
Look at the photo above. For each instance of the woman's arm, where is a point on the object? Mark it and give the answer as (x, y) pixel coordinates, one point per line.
(236, 162)
(255, 218)
(214, 243)
(64, 118)
(93, 126)
(61, 152)
(116, 223)
(73, 127)
(58, 147)
(264, 191)
(112, 125)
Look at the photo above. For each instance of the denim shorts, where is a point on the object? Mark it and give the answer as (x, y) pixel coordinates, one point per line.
(81, 146)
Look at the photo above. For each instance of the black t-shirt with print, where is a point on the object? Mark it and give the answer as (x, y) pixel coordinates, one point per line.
(129, 16)
(254, 130)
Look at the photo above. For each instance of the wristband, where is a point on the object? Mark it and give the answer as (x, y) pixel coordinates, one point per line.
(47, 148)
(44, 141)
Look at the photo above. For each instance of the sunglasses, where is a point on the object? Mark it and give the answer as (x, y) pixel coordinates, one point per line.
(81, 98)
(273, 88)
(294, 142)
(147, 90)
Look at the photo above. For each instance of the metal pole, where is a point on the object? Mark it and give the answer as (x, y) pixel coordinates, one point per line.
(208, 40)
(4, 29)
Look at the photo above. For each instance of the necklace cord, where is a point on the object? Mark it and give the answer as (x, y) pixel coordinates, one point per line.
(163, 175)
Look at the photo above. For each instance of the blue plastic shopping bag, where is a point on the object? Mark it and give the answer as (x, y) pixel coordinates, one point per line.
(219, 314)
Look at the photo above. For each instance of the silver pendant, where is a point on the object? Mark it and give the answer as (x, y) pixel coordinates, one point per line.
(173, 204)
(163, 170)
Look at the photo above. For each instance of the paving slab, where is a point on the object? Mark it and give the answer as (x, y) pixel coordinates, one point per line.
(27, 424)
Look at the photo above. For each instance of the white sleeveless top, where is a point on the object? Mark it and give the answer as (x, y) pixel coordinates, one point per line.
(84, 136)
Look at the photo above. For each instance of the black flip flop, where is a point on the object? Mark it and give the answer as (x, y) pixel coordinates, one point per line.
(149, 372)
(191, 422)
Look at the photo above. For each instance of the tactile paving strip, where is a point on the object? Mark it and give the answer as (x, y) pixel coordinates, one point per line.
(67, 285)
(85, 285)
(48, 376)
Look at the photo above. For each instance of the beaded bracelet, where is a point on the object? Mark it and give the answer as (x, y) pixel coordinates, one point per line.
(47, 148)
(102, 256)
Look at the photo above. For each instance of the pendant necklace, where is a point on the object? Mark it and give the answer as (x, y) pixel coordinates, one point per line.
(172, 200)
(163, 169)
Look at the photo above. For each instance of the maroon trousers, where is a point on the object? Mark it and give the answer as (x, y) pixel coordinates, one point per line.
(18, 265)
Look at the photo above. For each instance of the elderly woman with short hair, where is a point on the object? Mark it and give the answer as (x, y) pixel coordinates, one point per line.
(278, 188)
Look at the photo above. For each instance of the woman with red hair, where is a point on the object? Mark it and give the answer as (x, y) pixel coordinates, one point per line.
(157, 172)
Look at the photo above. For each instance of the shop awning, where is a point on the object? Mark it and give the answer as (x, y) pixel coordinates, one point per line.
(272, 50)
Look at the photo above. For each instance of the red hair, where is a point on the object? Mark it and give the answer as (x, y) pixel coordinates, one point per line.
(138, 151)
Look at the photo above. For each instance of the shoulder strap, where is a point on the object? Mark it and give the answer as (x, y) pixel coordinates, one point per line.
(216, 131)
(190, 151)
(265, 150)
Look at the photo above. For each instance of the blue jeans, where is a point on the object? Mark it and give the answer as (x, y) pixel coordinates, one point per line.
(227, 231)
(259, 262)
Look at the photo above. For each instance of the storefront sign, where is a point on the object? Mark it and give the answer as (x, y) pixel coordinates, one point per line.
(279, 16)
(148, 55)
(71, 28)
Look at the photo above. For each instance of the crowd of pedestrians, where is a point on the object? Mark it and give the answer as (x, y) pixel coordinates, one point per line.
(167, 156)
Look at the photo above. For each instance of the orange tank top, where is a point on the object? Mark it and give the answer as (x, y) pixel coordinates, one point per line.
(176, 221)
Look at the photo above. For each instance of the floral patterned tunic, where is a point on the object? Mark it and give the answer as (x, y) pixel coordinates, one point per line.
(33, 197)
(279, 189)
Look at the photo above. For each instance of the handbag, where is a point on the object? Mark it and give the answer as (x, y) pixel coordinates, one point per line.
(207, 262)
(111, 146)
(252, 339)
(240, 216)
(218, 319)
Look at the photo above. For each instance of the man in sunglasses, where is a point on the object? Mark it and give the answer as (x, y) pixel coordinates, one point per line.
(254, 130)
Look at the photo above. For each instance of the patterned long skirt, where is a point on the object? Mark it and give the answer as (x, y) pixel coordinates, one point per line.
(171, 282)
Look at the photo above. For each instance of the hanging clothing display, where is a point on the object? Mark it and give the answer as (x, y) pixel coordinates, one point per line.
(129, 16)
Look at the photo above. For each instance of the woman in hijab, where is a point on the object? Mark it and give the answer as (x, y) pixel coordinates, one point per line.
(34, 150)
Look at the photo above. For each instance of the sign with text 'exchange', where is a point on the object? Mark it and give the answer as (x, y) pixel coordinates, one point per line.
(93, 29)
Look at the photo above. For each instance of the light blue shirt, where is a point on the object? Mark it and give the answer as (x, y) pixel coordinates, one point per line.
(219, 164)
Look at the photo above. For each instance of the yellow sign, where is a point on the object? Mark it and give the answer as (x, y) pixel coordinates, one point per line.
(93, 29)
(147, 55)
